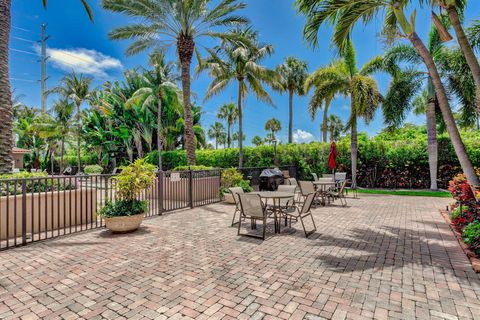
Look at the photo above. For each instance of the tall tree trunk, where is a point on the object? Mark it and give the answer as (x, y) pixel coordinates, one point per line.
(240, 123)
(325, 119)
(6, 142)
(159, 132)
(185, 47)
(79, 130)
(52, 156)
(229, 136)
(62, 153)
(432, 143)
(354, 149)
(466, 49)
(452, 129)
(290, 115)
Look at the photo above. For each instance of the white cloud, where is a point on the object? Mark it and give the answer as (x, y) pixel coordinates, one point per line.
(300, 136)
(83, 60)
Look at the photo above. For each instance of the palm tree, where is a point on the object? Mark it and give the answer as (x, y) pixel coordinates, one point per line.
(5, 92)
(63, 112)
(293, 73)
(345, 14)
(343, 77)
(158, 86)
(229, 113)
(236, 137)
(216, 131)
(257, 141)
(274, 126)
(240, 61)
(179, 23)
(455, 8)
(335, 126)
(76, 89)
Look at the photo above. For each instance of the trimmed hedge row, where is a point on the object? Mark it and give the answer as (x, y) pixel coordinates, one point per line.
(388, 160)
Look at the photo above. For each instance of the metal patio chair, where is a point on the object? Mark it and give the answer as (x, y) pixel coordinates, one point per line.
(235, 191)
(302, 213)
(251, 206)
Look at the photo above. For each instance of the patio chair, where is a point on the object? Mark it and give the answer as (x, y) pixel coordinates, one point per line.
(340, 176)
(251, 206)
(328, 175)
(315, 176)
(302, 213)
(340, 194)
(289, 189)
(235, 192)
(294, 182)
(306, 187)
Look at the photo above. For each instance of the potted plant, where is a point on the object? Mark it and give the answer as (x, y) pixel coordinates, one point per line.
(233, 178)
(126, 213)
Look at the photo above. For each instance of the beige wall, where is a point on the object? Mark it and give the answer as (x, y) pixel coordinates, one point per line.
(18, 158)
(84, 211)
(203, 189)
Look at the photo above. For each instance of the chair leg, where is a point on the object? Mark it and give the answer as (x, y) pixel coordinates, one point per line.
(264, 227)
(234, 215)
(307, 234)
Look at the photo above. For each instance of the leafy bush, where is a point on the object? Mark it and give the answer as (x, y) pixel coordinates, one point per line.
(471, 236)
(11, 183)
(394, 159)
(233, 178)
(133, 179)
(194, 168)
(93, 169)
(466, 210)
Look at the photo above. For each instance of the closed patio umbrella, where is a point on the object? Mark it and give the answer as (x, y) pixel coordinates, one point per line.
(332, 157)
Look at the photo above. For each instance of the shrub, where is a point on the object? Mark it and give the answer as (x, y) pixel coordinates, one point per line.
(466, 210)
(93, 169)
(133, 179)
(233, 178)
(471, 236)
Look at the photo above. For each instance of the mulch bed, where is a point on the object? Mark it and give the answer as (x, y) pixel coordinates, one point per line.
(474, 259)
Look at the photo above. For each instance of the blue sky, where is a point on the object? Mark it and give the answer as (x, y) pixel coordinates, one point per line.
(77, 44)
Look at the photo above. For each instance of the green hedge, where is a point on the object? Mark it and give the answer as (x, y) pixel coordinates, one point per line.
(389, 160)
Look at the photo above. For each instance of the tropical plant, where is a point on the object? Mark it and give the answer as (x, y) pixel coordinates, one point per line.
(335, 127)
(257, 141)
(343, 77)
(240, 61)
(233, 178)
(236, 137)
(93, 169)
(345, 14)
(180, 23)
(76, 89)
(6, 120)
(229, 113)
(293, 74)
(274, 126)
(158, 86)
(216, 131)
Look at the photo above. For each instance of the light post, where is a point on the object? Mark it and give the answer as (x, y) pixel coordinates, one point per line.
(275, 151)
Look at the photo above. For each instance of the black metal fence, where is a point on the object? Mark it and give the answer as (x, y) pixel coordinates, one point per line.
(35, 209)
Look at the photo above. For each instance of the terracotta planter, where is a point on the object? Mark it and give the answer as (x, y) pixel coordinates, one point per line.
(228, 198)
(124, 224)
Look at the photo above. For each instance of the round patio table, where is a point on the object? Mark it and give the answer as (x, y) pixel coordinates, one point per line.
(276, 196)
(322, 189)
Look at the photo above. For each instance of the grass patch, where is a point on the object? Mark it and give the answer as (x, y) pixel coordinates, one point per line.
(413, 193)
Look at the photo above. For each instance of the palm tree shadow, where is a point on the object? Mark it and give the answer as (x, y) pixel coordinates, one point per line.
(365, 249)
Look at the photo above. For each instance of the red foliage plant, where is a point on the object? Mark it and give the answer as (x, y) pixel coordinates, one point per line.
(463, 194)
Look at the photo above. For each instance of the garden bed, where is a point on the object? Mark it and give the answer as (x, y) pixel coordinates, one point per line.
(474, 259)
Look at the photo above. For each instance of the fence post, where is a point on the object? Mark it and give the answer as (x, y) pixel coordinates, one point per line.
(160, 192)
(190, 188)
(24, 212)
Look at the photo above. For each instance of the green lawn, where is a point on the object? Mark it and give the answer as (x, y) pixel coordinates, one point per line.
(420, 193)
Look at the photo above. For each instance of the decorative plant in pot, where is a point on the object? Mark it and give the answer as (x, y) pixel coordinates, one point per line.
(126, 213)
(233, 178)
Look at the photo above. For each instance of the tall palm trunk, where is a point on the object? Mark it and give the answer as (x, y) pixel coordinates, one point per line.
(432, 143)
(229, 133)
(290, 115)
(325, 119)
(240, 123)
(6, 141)
(79, 133)
(62, 152)
(159, 132)
(354, 149)
(466, 49)
(185, 47)
(441, 95)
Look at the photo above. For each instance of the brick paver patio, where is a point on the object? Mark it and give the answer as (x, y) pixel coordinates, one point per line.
(382, 257)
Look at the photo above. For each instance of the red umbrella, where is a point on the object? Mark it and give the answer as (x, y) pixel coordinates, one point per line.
(332, 156)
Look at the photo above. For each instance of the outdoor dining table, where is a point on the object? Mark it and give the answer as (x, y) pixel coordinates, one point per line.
(275, 196)
(322, 188)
